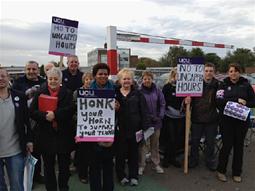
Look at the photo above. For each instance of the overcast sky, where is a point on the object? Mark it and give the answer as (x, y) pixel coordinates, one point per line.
(25, 25)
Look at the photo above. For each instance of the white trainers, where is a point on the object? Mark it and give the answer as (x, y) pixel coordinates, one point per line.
(124, 181)
(133, 182)
(140, 171)
(159, 170)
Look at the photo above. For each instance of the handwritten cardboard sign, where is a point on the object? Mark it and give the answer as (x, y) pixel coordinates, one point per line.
(95, 115)
(63, 36)
(190, 73)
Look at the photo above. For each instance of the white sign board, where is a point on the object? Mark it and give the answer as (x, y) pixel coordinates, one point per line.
(123, 58)
(95, 115)
(63, 36)
(236, 110)
(190, 73)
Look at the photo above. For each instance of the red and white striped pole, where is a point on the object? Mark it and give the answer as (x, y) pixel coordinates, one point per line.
(112, 49)
(143, 39)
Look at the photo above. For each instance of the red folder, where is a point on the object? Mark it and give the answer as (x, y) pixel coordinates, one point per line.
(47, 103)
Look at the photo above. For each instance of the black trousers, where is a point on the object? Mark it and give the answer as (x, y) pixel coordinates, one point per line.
(82, 159)
(126, 149)
(209, 130)
(63, 160)
(233, 134)
(101, 164)
(175, 135)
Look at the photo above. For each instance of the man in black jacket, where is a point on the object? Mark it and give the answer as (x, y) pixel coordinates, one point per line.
(15, 134)
(30, 80)
(72, 79)
(72, 76)
(29, 84)
(204, 119)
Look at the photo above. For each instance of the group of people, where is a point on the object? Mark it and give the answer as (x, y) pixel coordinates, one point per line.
(25, 129)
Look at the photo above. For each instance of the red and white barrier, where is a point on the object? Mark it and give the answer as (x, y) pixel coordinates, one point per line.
(113, 36)
(140, 38)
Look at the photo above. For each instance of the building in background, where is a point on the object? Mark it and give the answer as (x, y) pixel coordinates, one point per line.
(99, 55)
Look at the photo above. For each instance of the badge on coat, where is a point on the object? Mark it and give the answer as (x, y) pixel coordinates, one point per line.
(16, 98)
(229, 88)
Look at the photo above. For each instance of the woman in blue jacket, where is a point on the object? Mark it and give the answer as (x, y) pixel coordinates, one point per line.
(101, 153)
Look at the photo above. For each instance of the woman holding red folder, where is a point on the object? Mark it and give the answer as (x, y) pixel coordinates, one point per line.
(55, 134)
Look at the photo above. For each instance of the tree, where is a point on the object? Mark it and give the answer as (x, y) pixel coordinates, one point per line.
(196, 52)
(141, 66)
(213, 58)
(245, 57)
(149, 62)
(170, 58)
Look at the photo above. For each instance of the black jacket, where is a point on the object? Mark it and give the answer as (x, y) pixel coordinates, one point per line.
(229, 91)
(132, 115)
(70, 81)
(48, 139)
(204, 108)
(22, 84)
(169, 92)
(21, 118)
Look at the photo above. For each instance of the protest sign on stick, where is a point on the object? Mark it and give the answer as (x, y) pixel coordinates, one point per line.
(190, 73)
(63, 36)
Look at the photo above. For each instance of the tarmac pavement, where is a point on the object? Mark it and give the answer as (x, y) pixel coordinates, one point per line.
(197, 179)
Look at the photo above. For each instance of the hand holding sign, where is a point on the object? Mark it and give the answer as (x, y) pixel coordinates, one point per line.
(241, 101)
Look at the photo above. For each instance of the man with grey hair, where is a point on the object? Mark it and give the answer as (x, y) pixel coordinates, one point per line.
(30, 79)
(48, 66)
(72, 76)
(29, 84)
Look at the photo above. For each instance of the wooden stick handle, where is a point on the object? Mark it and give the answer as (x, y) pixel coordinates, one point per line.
(187, 131)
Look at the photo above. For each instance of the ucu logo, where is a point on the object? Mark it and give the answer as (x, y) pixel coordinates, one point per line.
(184, 61)
(58, 20)
(86, 92)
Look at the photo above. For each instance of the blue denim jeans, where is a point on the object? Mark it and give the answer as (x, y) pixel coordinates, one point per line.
(15, 170)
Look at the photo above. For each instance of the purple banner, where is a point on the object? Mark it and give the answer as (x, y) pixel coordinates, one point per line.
(65, 22)
(189, 60)
(92, 93)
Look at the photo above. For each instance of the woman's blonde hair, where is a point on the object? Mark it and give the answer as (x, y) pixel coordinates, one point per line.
(172, 75)
(86, 75)
(125, 71)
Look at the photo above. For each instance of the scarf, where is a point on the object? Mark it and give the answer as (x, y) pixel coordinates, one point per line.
(54, 93)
